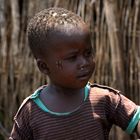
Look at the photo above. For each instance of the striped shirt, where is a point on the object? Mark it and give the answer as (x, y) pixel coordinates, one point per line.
(93, 120)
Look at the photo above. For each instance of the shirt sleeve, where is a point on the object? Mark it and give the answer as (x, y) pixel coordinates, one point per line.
(134, 121)
(21, 128)
(121, 110)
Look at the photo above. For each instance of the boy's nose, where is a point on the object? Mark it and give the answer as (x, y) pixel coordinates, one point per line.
(83, 62)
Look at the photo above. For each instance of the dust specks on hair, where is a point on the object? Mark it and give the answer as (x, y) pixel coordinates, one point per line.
(54, 14)
(64, 15)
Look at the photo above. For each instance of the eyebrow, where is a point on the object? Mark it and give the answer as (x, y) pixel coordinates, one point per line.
(70, 53)
(74, 51)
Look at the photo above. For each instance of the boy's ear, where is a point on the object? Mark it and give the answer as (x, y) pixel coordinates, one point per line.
(42, 66)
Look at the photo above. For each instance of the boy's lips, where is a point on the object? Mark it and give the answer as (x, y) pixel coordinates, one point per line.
(84, 75)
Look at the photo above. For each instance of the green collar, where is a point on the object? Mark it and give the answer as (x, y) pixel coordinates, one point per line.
(40, 104)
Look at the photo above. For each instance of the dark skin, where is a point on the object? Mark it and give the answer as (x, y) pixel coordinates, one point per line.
(69, 64)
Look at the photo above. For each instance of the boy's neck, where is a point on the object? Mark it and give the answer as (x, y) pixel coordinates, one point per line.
(60, 99)
(63, 90)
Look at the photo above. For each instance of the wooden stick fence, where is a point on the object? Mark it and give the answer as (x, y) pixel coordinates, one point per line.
(115, 35)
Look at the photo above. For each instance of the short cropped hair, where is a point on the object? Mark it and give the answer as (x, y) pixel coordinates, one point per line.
(47, 21)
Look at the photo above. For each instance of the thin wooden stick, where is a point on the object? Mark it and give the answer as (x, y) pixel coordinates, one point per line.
(3, 131)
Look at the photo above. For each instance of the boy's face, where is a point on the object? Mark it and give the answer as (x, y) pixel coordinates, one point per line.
(69, 59)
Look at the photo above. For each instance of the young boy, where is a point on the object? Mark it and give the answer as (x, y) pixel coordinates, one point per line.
(68, 108)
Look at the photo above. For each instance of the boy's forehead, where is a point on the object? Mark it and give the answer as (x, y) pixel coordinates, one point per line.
(72, 36)
(68, 42)
(58, 40)
(61, 44)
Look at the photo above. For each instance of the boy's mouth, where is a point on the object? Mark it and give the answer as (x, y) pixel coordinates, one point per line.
(84, 75)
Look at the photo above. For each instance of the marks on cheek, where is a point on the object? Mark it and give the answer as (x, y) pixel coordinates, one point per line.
(59, 64)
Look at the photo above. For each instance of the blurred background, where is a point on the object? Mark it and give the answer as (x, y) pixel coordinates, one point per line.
(115, 36)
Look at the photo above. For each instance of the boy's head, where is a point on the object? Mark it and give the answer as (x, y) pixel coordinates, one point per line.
(60, 42)
(48, 22)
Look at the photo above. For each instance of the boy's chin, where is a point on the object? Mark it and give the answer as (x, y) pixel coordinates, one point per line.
(82, 84)
(74, 85)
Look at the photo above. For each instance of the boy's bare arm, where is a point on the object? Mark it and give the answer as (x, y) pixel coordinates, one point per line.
(138, 129)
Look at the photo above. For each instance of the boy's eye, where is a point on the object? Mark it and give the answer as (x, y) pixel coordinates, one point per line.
(71, 58)
(88, 52)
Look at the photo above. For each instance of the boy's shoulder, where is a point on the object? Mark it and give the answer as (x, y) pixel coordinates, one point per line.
(23, 104)
(100, 94)
(27, 102)
(103, 89)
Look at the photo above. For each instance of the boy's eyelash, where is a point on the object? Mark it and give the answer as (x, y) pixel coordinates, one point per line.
(89, 51)
(71, 57)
